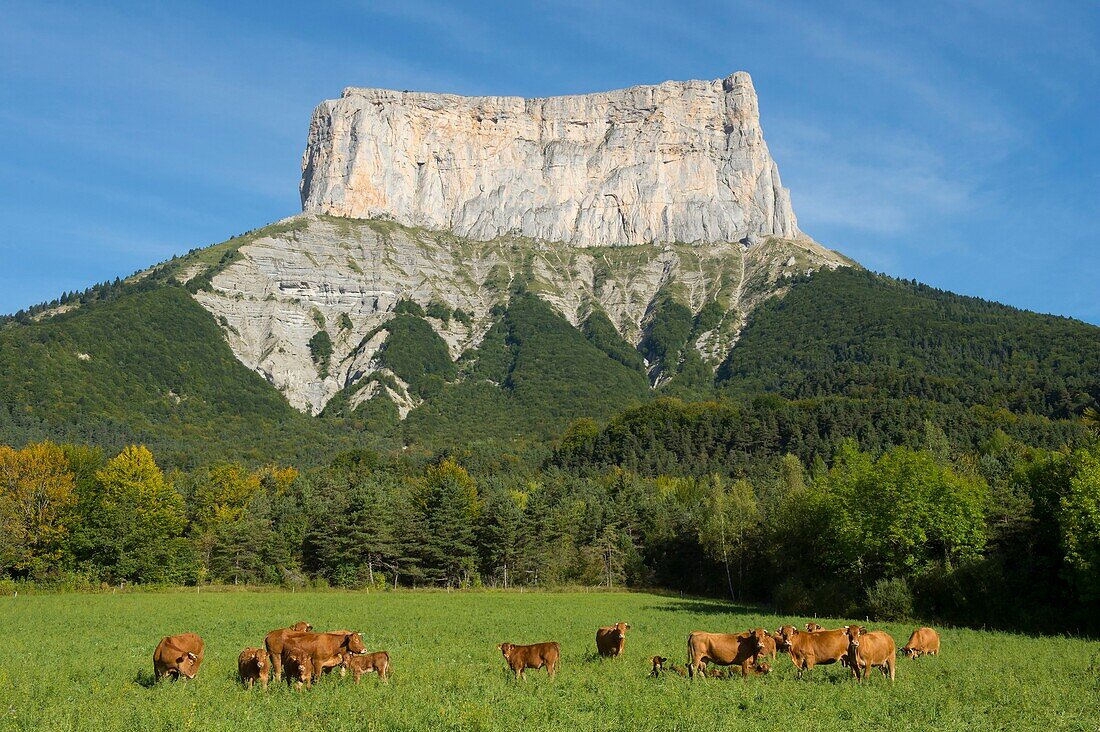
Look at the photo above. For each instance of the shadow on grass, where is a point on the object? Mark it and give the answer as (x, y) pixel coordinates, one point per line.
(145, 678)
(706, 607)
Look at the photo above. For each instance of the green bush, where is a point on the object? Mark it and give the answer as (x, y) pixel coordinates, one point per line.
(890, 599)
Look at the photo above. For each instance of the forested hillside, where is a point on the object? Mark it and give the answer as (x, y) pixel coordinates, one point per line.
(853, 333)
(149, 366)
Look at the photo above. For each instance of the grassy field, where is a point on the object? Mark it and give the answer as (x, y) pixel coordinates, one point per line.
(84, 662)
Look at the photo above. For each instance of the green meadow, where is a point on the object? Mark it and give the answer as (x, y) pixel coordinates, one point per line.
(85, 662)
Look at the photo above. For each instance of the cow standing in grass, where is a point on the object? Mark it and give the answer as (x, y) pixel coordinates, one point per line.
(536, 656)
(324, 650)
(867, 649)
(253, 665)
(611, 639)
(724, 649)
(274, 641)
(808, 649)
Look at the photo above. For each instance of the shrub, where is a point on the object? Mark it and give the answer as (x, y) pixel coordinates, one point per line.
(890, 599)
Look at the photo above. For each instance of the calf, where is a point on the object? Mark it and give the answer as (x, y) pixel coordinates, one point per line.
(659, 666)
(611, 639)
(299, 669)
(812, 649)
(724, 649)
(869, 649)
(761, 669)
(253, 665)
(521, 658)
(923, 640)
(178, 655)
(379, 662)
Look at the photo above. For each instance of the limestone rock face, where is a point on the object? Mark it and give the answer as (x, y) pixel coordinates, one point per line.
(345, 276)
(674, 162)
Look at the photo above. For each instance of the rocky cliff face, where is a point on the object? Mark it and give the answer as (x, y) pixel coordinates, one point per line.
(619, 202)
(675, 162)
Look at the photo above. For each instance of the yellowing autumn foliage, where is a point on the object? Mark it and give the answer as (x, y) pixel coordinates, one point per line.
(36, 498)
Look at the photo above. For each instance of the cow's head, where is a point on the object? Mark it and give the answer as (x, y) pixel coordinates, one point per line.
(303, 664)
(187, 665)
(854, 633)
(756, 638)
(910, 652)
(813, 627)
(763, 667)
(353, 642)
(621, 628)
(506, 649)
(302, 626)
(786, 635)
(258, 655)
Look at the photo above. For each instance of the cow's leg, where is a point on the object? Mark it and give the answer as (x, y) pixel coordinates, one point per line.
(248, 683)
(263, 684)
(277, 665)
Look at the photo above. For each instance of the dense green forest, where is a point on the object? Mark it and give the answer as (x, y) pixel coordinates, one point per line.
(870, 446)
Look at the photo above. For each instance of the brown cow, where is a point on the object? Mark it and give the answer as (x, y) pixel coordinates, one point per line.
(537, 655)
(178, 655)
(659, 665)
(276, 639)
(379, 662)
(611, 639)
(253, 665)
(325, 650)
(724, 649)
(761, 669)
(813, 628)
(923, 640)
(812, 649)
(867, 649)
(299, 668)
(770, 643)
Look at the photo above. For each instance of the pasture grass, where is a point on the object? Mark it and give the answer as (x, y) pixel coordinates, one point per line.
(85, 662)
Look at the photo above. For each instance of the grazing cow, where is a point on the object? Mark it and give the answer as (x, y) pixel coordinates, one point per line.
(867, 649)
(537, 655)
(724, 649)
(812, 649)
(325, 650)
(299, 668)
(660, 663)
(379, 662)
(178, 655)
(253, 665)
(923, 640)
(611, 639)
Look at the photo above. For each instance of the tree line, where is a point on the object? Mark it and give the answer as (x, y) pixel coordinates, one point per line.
(1005, 535)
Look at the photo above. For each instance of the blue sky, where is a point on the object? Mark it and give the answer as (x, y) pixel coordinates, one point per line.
(957, 143)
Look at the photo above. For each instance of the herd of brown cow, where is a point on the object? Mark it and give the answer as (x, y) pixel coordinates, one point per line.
(296, 652)
(302, 655)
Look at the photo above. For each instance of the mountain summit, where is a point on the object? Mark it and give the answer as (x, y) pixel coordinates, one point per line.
(682, 161)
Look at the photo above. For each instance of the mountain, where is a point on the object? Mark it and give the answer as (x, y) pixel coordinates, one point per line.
(492, 268)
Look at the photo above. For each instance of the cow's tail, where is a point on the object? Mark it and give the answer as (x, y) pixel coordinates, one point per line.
(691, 659)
